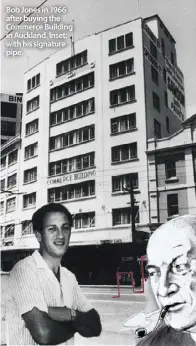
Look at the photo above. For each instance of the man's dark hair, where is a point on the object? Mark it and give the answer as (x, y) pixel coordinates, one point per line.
(38, 216)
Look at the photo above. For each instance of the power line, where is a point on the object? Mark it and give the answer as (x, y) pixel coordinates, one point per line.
(23, 19)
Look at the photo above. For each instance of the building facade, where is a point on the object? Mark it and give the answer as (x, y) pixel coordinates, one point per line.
(88, 113)
(11, 115)
(172, 174)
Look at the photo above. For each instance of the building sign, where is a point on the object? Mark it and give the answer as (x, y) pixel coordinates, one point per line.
(175, 89)
(153, 61)
(111, 241)
(73, 177)
(11, 98)
(151, 36)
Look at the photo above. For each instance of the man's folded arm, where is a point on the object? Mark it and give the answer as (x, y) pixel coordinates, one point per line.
(46, 331)
(86, 323)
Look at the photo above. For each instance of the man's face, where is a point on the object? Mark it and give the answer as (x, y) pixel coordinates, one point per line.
(172, 272)
(56, 234)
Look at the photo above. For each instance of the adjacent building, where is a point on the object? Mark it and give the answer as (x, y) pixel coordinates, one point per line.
(88, 113)
(172, 174)
(11, 115)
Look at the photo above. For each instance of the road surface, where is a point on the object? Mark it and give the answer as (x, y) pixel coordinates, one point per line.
(113, 312)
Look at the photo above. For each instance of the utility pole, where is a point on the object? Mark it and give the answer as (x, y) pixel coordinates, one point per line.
(132, 211)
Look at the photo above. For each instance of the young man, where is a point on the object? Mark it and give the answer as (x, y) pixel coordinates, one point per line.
(172, 269)
(45, 305)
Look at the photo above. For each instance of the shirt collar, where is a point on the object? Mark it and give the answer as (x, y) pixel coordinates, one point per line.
(41, 264)
(39, 260)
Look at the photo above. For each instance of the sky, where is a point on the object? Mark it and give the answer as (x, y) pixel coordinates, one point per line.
(92, 16)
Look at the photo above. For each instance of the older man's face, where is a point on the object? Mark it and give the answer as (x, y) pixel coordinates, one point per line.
(172, 269)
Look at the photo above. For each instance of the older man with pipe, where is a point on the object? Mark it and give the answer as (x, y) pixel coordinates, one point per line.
(171, 265)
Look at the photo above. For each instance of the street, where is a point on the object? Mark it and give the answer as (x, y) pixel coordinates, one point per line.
(113, 312)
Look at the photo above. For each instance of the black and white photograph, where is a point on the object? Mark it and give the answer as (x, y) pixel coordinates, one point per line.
(98, 172)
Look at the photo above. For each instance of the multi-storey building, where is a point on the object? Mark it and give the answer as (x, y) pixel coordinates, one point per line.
(11, 115)
(172, 174)
(87, 118)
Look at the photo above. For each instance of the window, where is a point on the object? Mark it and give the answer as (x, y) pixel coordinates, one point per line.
(32, 104)
(1, 208)
(166, 98)
(172, 204)
(8, 128)
(153, 50)
(82, 135)
(3, 162)
(122, 216)
(170, 169)
(120, 43)
(172, 58)
(155, 75)
(120, 182)
(123, 123)
(167, 124)
(2, 184)
(75, 111)
(73, 87)
(157, 129)
(124, 152)
(122, 95)
(9, 231)
(11, 181)
(30, 175)
(32, 127)
(122, 68)
(29, 200)
(163, 46)
(12, 157)
(74, 191)
(10, 205)
(33, 82)
(31, 151)
(72, 63)
(84, 220)
(156, 101)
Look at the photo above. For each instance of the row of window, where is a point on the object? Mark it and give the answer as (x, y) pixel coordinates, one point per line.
(70, 192)
(75, 137)
(12, 158)
(32, 127)
(123, 123)
(72, 63)
(33, 82)
(120, 216)
(33, 104)
(11, 181)
(122, 68)
(121, 42)
(72, 112)
(123, 95)
(122, 182)
(31, 151)
(72, 164)
(30, 175)
(72, 87)
(119, 124)
(124, 152)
